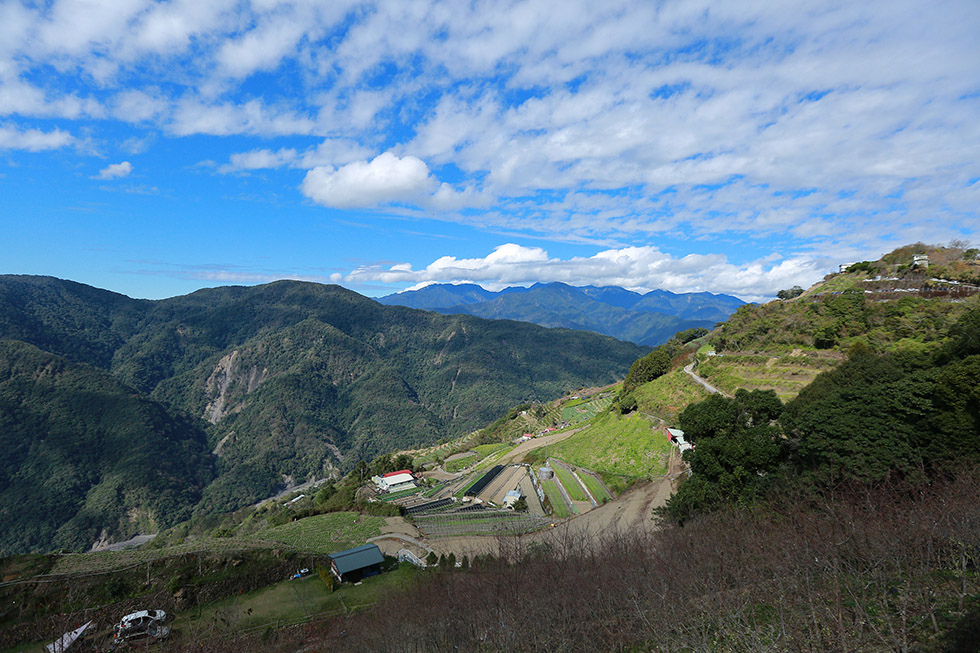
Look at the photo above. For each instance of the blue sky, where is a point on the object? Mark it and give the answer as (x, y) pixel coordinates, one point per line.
(740, 147)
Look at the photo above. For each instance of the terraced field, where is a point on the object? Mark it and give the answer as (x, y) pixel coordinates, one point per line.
(616, 445)
(576, 410)
(326, 533)
(571, 485)
(478, 522)
(595, 487)
(784, 372)
(668, 395)
(559, 507)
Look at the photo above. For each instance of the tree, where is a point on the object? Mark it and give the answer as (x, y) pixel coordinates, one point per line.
(520, 505)
(795, 291)
(432, 559)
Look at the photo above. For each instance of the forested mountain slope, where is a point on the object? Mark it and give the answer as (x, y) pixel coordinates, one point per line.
(80, 453)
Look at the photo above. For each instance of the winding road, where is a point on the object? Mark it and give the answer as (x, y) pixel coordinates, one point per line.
(707, 386)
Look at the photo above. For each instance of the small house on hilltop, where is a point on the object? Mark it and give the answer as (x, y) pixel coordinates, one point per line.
(354, 564)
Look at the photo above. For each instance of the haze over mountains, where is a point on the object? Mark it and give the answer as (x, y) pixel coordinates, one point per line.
(111, 407)
(646, 319)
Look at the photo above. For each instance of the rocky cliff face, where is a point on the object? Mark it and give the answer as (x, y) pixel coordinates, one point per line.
(227, 378)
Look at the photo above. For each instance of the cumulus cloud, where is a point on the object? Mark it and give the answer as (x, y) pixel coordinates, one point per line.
(637, 268)
(603, 122)
(385, 179)
(33, 140)
(115, 170)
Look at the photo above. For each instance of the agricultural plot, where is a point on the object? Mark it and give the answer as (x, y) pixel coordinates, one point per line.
(616, 445)
(577, 410)
(559, 507)
(570, 484)
(597, 489)
(467, 484)
(485, 450)
(462, 461)
(326, 533)
(785, 373)
(478, 522)
(668, 395)
(508, 480)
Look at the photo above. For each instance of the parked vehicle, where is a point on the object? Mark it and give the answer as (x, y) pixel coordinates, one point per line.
(140, 625)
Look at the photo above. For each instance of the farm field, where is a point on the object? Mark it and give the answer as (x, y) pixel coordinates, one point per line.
(595, 487)
(616, 445)
(784, 372)
(578, 410)
(571, 485)
(478, 522)
(668, 395)
(558, 505)
(326, 533)
(461, 461)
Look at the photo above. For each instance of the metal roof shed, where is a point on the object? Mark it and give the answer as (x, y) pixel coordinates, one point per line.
(354, 564)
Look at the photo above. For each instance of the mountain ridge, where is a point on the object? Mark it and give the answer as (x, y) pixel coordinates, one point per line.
(648, 319)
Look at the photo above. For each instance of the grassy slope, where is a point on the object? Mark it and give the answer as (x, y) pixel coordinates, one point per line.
(617, 445)
(667, 396)
(327, 533)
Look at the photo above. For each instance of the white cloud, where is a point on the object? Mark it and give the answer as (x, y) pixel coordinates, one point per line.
(638, 268)
(386, 179)
(600, 122)
(115, 171)
(33, 140)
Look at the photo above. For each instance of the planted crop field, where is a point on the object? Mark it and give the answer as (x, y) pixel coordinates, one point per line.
(478, 522)
(668, 395)
(558, 505)
(571, 485)
(326, 533)
(578, 410)
(460, 463)
(485, 450)
(470, 482)
(597, 489)
(784, 373)
(617, 445)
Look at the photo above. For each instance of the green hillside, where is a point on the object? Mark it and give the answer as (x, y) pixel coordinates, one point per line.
(82, 456)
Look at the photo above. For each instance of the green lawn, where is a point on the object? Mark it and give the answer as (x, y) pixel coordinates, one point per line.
(574, 490)
(328, 533)
(616, 445)
(595, 487)
(558, 505)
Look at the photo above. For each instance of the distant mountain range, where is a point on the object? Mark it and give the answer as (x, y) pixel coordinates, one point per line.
(121, 415)
(646, 319)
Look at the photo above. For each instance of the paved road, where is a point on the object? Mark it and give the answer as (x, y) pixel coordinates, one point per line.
(707, 386)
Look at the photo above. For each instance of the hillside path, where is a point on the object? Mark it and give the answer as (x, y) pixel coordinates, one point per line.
(707, 386)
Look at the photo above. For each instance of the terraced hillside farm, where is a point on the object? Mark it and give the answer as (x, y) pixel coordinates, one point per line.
(786, 373)
(667, 396)
(627, 447)
(579, 410)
